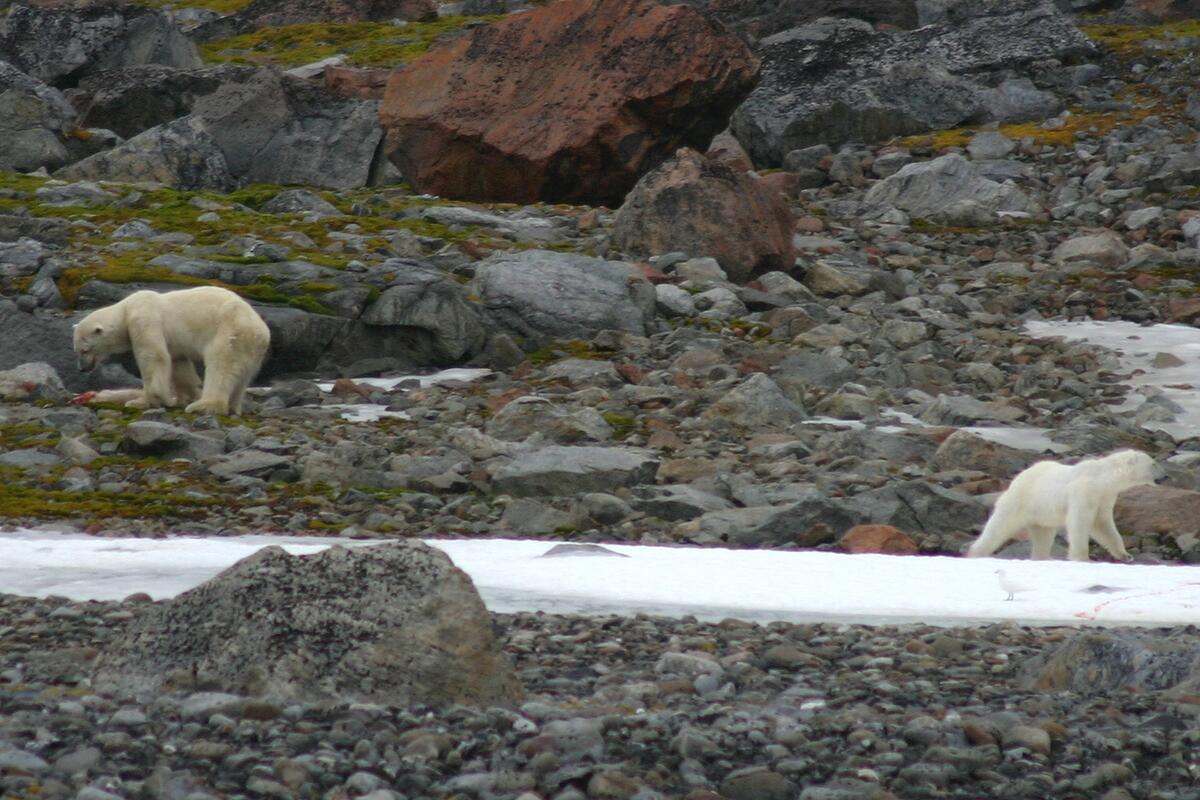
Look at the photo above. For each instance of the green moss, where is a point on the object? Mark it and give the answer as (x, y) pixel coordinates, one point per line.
(18, 500)
(132, 267)
(622, 424)
(364, 44)
(18, 182)
(1130, 40)
(22, 435)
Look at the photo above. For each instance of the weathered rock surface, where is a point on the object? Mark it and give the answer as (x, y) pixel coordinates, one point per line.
(700, 207)
(834, 81)
(571, 102)
(567, 470)
(60, 45)
(182, 154)
(34, 120)
(950, 190)
(1115, 661)
(539, 295)
(393, 624)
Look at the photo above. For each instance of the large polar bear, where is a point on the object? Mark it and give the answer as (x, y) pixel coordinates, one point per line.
(168, 333)
(1049, 496)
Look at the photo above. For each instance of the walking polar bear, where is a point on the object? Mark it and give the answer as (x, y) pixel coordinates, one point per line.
(1049, 496)
(168, 333)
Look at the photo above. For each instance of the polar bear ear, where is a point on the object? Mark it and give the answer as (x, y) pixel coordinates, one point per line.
(98, 329)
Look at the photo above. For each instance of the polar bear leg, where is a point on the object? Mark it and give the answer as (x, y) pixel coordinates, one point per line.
(1079, 527)
(1000, 527)
(154, 362)
(224, 371)
(185, 380)
(1041, 539)
(1106, 533)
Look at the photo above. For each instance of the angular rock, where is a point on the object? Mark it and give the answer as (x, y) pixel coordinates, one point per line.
(759, 18)
(524, 417)
(169, 441)
(540, 295)
(833, 81)
(925, 189)
(59, 45)
(570, 470)
(965, 450)
(134, 99)
(431, 313)
(677, 502)
(916, 506)
(1111, 662)
(700, 207)
(813, 520)
(182, 154)
(756, 403)
(34, 120)
(570, 102)
(283, 130)
(396, 624)
(1104, 249)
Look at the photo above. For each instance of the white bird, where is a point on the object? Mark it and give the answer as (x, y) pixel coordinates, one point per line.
(1008, 585)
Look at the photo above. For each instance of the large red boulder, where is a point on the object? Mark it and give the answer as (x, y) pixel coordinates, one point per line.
(701, 207)
(570, 102)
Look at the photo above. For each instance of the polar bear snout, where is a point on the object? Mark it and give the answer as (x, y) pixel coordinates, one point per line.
(87, 362)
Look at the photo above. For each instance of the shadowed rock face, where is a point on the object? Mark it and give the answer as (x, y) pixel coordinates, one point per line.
(570, 102)
(395, 624)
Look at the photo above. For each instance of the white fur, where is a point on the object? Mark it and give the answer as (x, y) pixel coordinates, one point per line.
(168, 333)
(1049, 496)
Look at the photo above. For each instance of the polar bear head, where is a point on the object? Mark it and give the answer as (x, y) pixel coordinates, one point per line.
(1128, 468)
(101, 333)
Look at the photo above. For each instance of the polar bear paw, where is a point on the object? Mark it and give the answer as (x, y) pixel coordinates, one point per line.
(207, 407)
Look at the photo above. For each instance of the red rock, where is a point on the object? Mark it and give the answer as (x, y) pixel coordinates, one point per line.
(809, 225)
(700, 207)
(570, 102)
(631, 372)
(877, 539)
(355, 82)
(1159, 510)
(729, 151)
(344, 387)
(783, 183)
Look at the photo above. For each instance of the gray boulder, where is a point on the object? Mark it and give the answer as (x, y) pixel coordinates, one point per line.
(62, 44)
(812, 520)
(539, 296)
(1113, 662)
(130, 100)
(928, 188)
(34, 121)
(182, 154)
(282, 130)
(147, 437)
(756, 403)
(396, 624)
(916, 506)
(423, 317)
(570, 470)
(524, 417)
(839, 80)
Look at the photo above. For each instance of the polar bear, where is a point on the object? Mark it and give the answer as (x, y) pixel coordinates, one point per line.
(1049, 496)
(168, 332)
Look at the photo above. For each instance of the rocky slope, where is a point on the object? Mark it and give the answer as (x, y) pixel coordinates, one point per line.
(658, 373)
